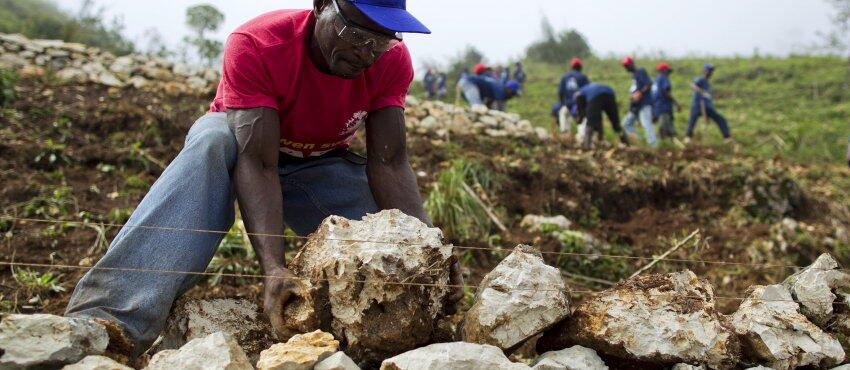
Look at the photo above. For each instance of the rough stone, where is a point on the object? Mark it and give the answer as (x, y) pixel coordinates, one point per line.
(191, 319)
(354, 289)
(573, 358)
(813, 287)
(300, 352)
(97, 363)
(661, 319)
(217, 351)
(536, 223)
(452, 356)
(520, 298)
(688, 367)
(774, 331)
(44, 341)
(337, 361)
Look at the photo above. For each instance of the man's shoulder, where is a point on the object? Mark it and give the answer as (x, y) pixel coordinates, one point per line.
(276, 27)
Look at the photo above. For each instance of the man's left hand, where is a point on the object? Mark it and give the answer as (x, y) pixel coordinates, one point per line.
(456, 282)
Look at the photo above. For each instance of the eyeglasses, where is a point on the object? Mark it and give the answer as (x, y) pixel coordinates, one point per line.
(360, 37)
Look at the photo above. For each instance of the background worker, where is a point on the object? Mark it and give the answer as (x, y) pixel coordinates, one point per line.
(703, 104)
(571, 82)
(663, 101)
(488, 91)
(429, 83)
(590, 101)
(641, 101)
(442, 91)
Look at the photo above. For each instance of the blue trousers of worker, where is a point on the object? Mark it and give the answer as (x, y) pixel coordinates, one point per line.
(696, 113)
(196, 192)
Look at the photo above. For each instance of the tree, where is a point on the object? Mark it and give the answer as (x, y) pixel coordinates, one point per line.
(466, 59)
(558, 47)
(201, 19)
(839, 39)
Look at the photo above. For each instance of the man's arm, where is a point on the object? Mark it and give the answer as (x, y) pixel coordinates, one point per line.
(390, 176)
(259, 194)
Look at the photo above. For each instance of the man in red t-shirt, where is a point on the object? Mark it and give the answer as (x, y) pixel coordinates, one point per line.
(296, 86)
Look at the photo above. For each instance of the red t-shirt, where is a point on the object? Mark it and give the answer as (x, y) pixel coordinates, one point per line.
(266, 64)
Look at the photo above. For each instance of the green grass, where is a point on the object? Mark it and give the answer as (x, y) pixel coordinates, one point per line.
(795, 107)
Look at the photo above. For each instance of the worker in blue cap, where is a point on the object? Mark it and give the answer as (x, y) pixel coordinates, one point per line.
(703, 104)
(296, 87)
(488, 91)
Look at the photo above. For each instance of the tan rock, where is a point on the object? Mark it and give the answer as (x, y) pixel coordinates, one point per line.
(217, 351)
(97, 363)
(301, 352)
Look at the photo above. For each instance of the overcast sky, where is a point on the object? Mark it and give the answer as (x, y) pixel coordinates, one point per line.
(502, 28)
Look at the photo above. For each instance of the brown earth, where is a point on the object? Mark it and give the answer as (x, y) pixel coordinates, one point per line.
(90, 153)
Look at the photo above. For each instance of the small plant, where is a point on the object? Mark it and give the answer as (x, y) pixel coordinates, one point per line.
(234, 256)
(7, 87)
(450, 205)
(37, 284)
(60, 202)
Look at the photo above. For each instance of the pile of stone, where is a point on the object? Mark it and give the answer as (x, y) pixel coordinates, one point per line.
(376, 296)
(78, 63)
(445, 119)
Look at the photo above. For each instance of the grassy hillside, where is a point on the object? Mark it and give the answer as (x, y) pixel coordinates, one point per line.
(796, 107)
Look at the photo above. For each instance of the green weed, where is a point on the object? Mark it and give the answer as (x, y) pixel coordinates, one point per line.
(7, 87)
(36, 283)
(450, 205)
(234, 256)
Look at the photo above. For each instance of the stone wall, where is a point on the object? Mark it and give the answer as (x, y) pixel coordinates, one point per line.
(78, 63)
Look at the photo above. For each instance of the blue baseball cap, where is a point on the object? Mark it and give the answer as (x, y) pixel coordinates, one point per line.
(513, 86)
(391, 14)
(708, 67)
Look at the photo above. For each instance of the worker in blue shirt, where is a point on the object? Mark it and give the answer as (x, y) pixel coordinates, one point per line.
(442, 90)
(519, 73)
(703, 105)
(429, 82)
(590, 102)
(641, 102)
(488, 91)
(663, 101)
(571, 82)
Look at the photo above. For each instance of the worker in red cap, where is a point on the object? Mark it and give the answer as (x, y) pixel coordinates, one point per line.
(571, 82)
(663, 101)
(641, 102)
(479, 69)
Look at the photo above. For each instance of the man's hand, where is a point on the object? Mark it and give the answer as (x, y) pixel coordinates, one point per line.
(456, 281)
(279, 287)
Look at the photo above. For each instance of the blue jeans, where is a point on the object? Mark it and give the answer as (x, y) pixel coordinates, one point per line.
(470, 92)
(645, 116)
(196, 192)
(696, 113)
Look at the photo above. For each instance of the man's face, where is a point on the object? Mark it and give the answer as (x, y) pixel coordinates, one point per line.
(630, 68)
(350, 42)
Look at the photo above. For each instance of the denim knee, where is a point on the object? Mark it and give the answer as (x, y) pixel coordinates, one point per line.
(215, 142)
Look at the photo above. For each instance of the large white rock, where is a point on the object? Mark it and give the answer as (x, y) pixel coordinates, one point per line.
(813, 288)
(217, 351)
(337, 361)
(520, 298)
(241, 318)
(774, 331)
(573, 358)
(300, 352)
(452, 356)
(378, 285)
(661, 319)
(44, 341)
(688, 367)
(97, 363)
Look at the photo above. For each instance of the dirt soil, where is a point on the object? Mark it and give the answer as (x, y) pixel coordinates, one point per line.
(90, 153)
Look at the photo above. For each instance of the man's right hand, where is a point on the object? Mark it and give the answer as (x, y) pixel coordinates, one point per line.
(279, 287)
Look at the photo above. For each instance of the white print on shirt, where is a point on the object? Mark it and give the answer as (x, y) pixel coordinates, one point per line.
(354, 123)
